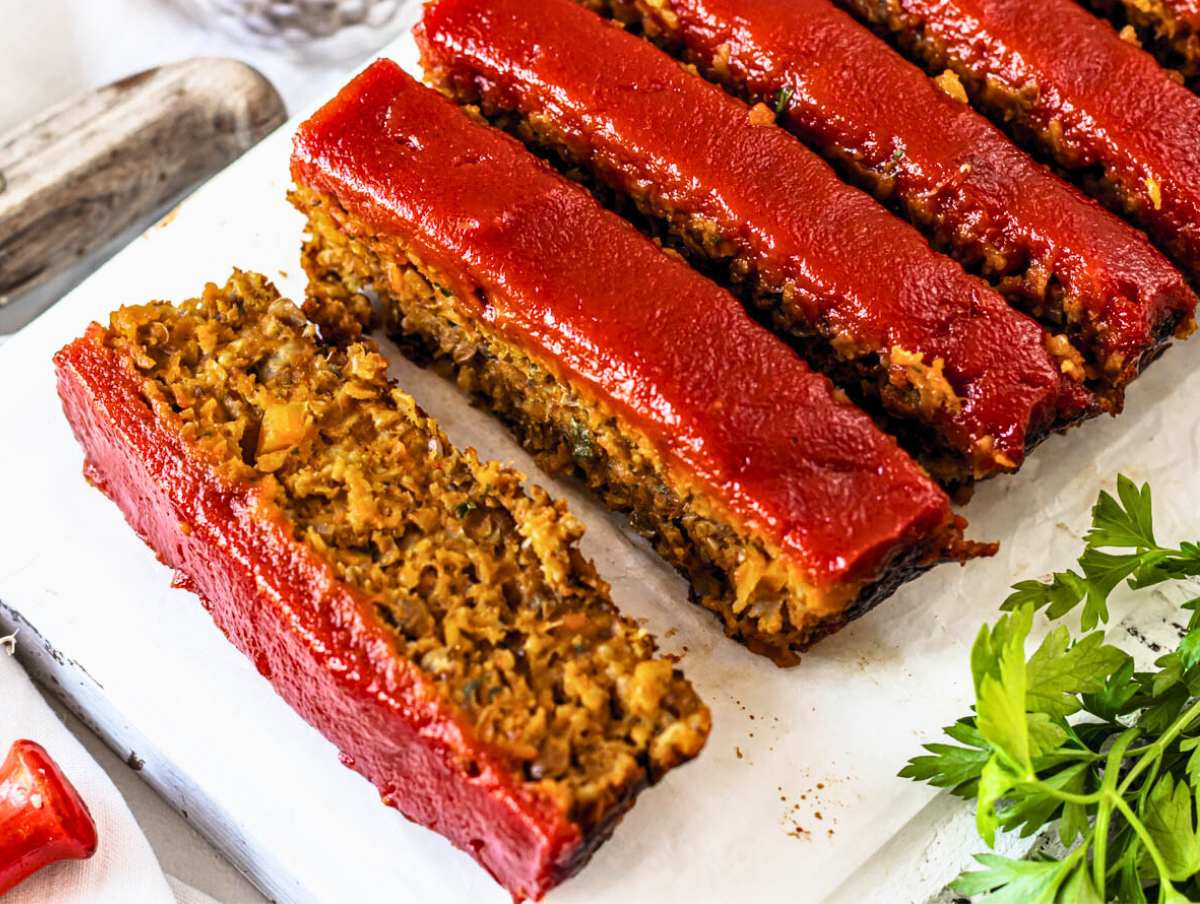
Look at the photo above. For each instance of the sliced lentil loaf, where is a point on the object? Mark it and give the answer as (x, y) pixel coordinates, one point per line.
(1063, 81)
(977, 382)
(432, 618)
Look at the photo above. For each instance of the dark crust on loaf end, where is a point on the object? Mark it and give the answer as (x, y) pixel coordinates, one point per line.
(571, 434)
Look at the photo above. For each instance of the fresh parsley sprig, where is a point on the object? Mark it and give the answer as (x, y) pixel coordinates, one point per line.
(1075, 735)
(1122, 523)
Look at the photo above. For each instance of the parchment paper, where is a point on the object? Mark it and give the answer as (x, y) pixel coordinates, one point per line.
(796, 792)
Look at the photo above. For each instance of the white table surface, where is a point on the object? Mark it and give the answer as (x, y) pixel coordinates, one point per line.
(52, 49)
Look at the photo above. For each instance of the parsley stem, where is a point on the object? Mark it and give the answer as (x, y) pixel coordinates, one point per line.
(1151, 849)
(1115, 869)
(1100, 851)
(1068, 796)
(1108, 790)
(1155, 750)
(1141, 809)
(1086, 755)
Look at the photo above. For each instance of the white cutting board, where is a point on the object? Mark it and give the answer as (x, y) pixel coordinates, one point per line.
(796, 791)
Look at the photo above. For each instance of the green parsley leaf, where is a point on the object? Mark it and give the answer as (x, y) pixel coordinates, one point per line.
(995, 780)
(1078, 736)
(1128, 524)
(1013, 881)
(1059, 671)
(1188, 650)
(1079, 888)
(1157, 717)
(1062, 593)
(1073, 823)
(1045, 735)
(1193, 763)
(1161, 565)
(1104, 571)
(1031, 807)
(998, 661)
(1170, 674)
(950, 766)
(1130, 887)
(1119, 689)
(1170, 825)
(1124, 522)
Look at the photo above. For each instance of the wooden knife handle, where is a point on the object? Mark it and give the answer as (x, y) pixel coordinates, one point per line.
(75, 177)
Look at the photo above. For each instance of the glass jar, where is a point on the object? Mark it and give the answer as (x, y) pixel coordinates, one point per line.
(327, 30)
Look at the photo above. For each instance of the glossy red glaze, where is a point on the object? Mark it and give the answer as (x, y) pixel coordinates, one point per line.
(939, 155)
(42, 817)
(1116, 107)
(581, 290)
(860, 273)
(313, 638)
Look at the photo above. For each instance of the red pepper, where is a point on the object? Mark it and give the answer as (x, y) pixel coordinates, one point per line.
(42, 817)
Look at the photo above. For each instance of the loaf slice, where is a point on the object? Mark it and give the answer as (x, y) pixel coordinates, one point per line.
(429, 616)
(787, 509)
(1062, 80)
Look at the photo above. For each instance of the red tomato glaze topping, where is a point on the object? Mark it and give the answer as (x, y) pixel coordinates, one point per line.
(1097, 99)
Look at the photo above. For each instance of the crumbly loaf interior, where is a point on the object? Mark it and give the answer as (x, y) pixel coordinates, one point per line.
(478, 582)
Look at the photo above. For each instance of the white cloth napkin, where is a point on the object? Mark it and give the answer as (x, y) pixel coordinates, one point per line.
(124, 868)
